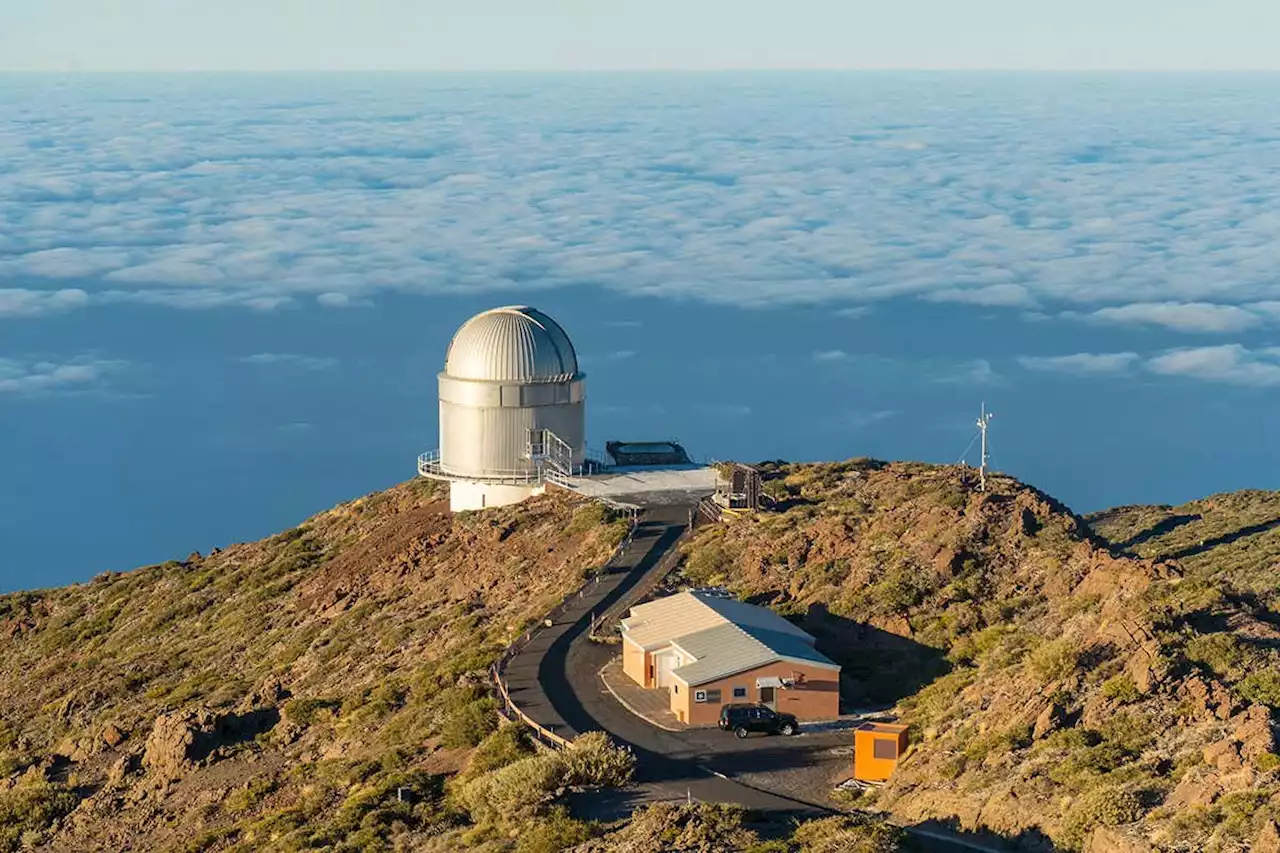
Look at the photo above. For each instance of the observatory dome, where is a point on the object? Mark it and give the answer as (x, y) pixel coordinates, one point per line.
(512, 406)
(511, 344)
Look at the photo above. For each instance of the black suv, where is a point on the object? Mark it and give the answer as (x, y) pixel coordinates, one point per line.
(744, 719)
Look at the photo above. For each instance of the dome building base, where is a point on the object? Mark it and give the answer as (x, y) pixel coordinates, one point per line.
(468, 495)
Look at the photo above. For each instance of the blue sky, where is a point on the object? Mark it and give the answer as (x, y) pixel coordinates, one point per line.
(224, 299)
(172, 35)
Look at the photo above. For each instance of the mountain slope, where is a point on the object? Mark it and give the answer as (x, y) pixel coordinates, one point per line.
(1061, 694)
(264, 690)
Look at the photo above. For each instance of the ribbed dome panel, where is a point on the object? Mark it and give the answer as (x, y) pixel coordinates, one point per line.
(512, 344)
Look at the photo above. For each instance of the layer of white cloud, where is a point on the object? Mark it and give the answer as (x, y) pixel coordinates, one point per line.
(45, 376)
(1002, 295)
(1182, 316)
(1230, 363)
(975, 372)
(289, 359)
(20, 302)
(219, 191)
(1082, 363)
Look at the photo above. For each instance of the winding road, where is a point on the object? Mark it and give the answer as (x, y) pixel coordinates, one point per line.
(554, 679)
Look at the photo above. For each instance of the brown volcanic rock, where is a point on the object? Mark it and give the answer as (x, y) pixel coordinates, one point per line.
(1268, 840)
(1107, 840)
(1068, 657)
(165, 689)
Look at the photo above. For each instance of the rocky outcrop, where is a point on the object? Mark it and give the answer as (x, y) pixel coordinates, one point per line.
(1048, 721)
(112, 736)
(171, 748)
(1268, 840)
(1255, 733)
(1109, 840)
(1210, 698)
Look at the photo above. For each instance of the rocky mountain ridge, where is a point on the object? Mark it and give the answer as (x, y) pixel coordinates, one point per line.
(1106, 683)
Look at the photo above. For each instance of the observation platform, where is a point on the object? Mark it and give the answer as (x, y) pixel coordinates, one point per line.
(650, 485)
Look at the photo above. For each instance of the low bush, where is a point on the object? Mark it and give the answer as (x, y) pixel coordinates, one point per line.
(507, 745)
(553, 833)
(848, 835)
(593, 760)
(1055, 660)
(519, 791)
(1220, 654)
(29, 809)
(307, 712)
(1262, 687)
(1081, 768)
(587, 517)
(470, 724)
(1102, 807)
(1120, 688)
(513, 794)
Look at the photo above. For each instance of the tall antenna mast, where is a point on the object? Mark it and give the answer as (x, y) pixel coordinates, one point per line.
(983, 420)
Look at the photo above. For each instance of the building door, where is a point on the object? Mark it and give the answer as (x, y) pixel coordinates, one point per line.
(767, 697)
(665, 661)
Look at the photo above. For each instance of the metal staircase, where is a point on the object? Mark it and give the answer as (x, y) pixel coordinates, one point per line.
(553, 458)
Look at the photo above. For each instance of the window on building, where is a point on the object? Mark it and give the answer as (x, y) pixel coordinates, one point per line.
(713, 697)
(699, 695)
(883, 748)
(675, 688)
(739, 693)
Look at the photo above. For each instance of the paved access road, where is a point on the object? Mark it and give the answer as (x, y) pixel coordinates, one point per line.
(555, 681)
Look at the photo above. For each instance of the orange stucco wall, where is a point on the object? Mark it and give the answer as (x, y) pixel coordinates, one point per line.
(818, 698)
(635, 663)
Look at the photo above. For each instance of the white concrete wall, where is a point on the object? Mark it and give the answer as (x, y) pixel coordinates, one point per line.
(465, 496)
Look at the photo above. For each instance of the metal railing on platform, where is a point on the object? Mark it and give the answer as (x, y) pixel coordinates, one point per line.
(429, 465)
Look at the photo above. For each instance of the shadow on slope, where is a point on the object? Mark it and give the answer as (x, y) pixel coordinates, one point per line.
(878, 668)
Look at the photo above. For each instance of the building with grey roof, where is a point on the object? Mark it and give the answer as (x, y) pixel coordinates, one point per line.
(709, 651)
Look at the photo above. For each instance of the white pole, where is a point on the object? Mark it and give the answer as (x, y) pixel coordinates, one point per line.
(983, 420)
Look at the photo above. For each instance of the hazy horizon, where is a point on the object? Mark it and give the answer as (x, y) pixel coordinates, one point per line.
(658, 34)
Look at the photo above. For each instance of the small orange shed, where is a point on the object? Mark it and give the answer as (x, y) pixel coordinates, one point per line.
(876, 750)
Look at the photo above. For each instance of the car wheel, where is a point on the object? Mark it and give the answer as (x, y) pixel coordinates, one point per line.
(740, 732)
(787, 729)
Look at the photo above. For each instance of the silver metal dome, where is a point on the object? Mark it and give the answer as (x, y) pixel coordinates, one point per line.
(511, 344)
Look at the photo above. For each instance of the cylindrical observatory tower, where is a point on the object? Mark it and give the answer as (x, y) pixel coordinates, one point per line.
(510, 386)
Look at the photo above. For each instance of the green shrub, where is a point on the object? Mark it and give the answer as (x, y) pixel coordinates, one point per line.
(513, 794)
(507, 745)
(1120, 688)
(553, 833)
(851, 834)
(1055, 660)
(1221, 654)
(519, 791)
(1102, 807)
(29, 809)
(253, 792)
(1080, 768)
(1130, 730)
(586, 518)
(708, 563)
(468, 725)
(593, 759)
(308, 712)
(1262, 687)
